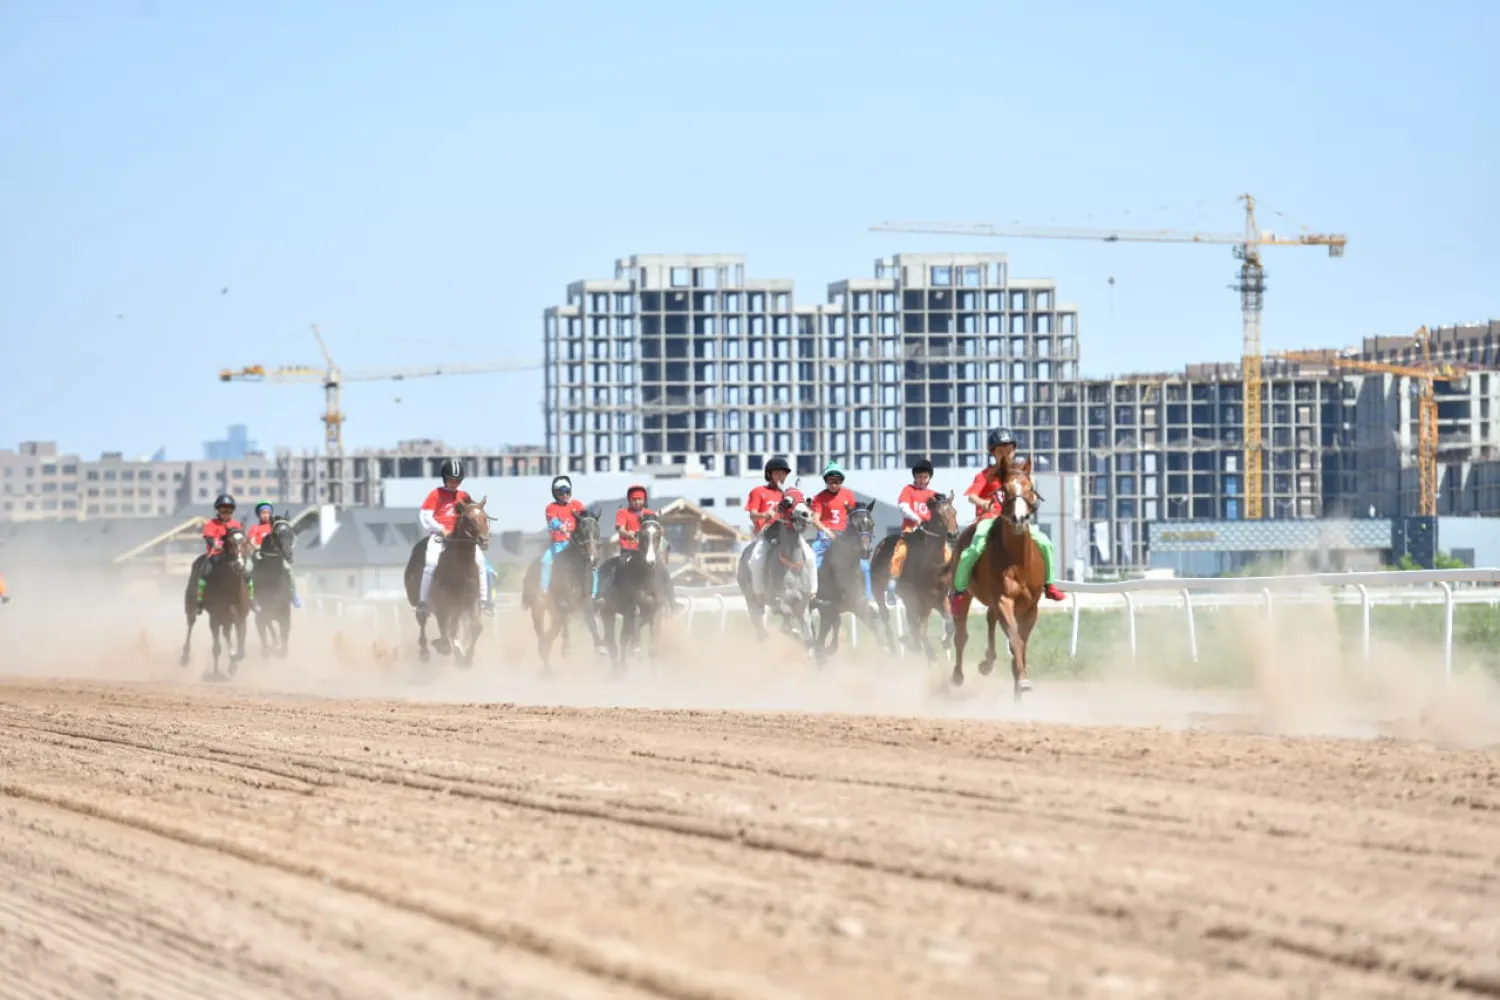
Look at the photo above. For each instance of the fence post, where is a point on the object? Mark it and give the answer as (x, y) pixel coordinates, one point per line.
(1270, 617)
(1130, 619)
(723, 613)
(1364, 626)
(1447, 630)
(1073, 646)
(1187, 603)
(854, 631)
(692, 606)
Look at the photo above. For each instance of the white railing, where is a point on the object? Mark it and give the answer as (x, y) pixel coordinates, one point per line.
(1260, 590)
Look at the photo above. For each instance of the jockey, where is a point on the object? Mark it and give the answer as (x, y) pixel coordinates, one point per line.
(562, 517)
(830, 510)
(4, 597)
(914, 511)
(768, 503)
(982, 493)
(214, 530)
(438, 518)
(628, 523)
(257, 537)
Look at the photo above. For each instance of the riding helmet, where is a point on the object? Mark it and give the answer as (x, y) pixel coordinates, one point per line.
(922, 465)
(452, 468)
(832, 469)
(264, 505)
(224, 500)
(561, 484)
(777, 464)
(1000, 436)
(637, 488)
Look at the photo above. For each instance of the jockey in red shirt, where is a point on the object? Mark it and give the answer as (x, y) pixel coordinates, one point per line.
(627, 525)
(562, 517)
(766, 504)
(830, 510)
(257, 535)
(913, 501)
(438, 518)
(983, 494)
(214, 530)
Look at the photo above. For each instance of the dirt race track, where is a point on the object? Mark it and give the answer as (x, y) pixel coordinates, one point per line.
(170, 841)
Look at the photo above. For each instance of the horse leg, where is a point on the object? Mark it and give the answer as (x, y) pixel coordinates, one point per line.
(592, 621)
(213, 630)
(187, 640)
(543, 639)
(285, 627)
(1019, 634)
(991, 616)
(960, 640)
(234, 634)
(422, 652)
(826, 626)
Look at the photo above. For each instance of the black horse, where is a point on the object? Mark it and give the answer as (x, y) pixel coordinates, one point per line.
(272, 579)
(924, 578)
(454, 596)
(226, 599)
(571, 590)
(630, 588)
(788, 577)
(841, 582)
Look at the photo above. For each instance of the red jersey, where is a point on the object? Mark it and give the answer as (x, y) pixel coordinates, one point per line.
(562, 518)
(833, 509)
(765, 500)
(985, 488)
(630, 521)
(439, 505)
(257, 534)
(917, 498)
(214, 531)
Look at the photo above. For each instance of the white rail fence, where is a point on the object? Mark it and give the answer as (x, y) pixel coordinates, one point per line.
(391, 618)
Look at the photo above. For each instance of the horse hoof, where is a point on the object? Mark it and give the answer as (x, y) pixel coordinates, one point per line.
(985, 666)
(424, 654)
(442, 647)
(958, 678)
(1023, 685)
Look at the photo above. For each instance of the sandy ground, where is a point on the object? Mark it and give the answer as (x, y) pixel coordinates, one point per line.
(730, 823)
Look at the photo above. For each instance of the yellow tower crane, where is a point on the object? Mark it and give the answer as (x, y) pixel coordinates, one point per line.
(332, 378)
(1424, 375)
(1251, 285)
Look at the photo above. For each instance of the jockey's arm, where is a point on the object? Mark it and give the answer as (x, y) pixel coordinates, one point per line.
(910, 512)
(429, 521)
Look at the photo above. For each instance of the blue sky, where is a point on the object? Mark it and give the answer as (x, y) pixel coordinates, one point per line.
(422, 180)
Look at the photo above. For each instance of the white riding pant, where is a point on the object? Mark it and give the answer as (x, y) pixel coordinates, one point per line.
(434, 552)
(758, 564)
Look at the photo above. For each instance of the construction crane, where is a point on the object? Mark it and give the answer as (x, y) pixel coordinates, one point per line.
(1251, 284)
(332, 379)
(1424, 375)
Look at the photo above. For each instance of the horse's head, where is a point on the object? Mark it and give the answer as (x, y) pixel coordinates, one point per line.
(282, 540)
(473, 524)
(802, 517)
(586, 534)
(944, 513)
(1018, 493)
(236, 549)
(862, 526)
(649, 539)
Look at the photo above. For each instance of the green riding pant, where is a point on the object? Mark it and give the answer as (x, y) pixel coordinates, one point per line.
(970, 556)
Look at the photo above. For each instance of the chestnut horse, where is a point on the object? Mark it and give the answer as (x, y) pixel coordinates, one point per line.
(1009, 577)
(454, 598)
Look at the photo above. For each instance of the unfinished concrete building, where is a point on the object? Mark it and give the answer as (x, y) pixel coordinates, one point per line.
(685, 361)
(355, 480)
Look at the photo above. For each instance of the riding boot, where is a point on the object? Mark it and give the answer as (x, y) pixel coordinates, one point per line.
(864, 566)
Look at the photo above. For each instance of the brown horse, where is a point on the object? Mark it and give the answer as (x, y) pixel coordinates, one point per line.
(454, 597)
(226, 599)
(925, 575)
(1009, 577)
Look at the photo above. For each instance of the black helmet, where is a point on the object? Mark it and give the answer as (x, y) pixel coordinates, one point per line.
(223, 500)
(452, 469)
(922, 465)
(777, 464)
(1000, 436)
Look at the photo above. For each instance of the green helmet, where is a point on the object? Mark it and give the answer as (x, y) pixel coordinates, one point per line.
(833, 469)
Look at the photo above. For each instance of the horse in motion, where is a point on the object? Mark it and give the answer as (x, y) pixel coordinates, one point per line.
(454, 596)
(841, 583)
(226, 601)
(631, 590)
(571, 590)
(788, 575)
(922, 575)
(272, 579)
(1009, 577)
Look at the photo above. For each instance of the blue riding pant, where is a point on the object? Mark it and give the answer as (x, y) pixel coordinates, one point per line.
(547, 556)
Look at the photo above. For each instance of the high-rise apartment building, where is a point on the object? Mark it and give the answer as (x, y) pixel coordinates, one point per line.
(355, 480)
(686, 361)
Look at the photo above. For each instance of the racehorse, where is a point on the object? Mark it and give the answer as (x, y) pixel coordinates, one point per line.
(571, 590)
(226, 600)
(1009, 577)
(925, 575)
(273, 588)
(631, 589)
(841, 582)
(453, 598)
(789, 576)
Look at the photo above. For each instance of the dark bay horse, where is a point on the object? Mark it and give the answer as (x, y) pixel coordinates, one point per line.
(272, 576)
(1009, 577)
(226, 601)
(789, 577)
(632, 591)
(454, 597)
(925, 575)
(571, 591)
(841, 582)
